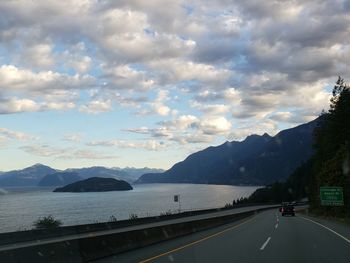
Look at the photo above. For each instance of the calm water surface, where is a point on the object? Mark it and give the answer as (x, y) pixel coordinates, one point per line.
(20, 207)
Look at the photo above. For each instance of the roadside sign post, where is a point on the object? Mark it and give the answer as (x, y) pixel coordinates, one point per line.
(177, 200)
(331, 196)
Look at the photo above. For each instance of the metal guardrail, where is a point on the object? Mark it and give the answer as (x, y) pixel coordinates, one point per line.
(90, 246)
(40, 234)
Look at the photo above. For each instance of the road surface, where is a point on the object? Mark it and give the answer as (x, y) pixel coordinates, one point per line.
(266, 237)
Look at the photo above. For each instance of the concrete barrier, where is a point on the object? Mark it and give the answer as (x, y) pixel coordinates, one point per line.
(98, 246)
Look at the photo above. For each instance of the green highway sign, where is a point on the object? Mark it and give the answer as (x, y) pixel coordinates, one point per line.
(331, 196)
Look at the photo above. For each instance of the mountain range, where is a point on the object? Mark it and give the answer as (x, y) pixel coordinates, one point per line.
(42, 175)
(29, 176)
(257, 160)
(59, 179)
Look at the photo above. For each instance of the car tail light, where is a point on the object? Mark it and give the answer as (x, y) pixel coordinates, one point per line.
(282, 210)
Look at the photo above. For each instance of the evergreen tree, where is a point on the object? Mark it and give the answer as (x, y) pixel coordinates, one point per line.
(332, 150)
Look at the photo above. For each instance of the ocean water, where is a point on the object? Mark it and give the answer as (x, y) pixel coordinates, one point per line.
(20, 207)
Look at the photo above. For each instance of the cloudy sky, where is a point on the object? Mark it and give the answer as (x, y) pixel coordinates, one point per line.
(145, 83)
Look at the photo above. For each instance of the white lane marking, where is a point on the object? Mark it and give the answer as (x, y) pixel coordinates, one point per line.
(276, 225)
(339, 235)
(265, 244)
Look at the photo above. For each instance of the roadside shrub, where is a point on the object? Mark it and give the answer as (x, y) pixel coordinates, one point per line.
(133, 216)
(167, 213)
(47, 222)
(227, 205)
(112, 218)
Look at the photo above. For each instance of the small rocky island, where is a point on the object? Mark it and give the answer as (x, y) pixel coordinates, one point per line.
(96, 184)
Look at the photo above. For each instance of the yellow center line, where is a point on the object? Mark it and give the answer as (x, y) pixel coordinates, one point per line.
(195, 242)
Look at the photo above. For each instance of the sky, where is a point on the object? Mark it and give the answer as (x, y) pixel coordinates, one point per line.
(146, 83)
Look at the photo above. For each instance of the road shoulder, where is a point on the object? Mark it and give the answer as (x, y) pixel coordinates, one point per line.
(339, 227)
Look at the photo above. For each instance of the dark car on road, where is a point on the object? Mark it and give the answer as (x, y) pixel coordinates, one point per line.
(287, 209)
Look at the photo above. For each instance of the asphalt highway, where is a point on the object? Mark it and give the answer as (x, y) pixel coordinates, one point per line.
(265, 237)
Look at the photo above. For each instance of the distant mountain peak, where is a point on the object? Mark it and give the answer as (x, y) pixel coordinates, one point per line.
(38, 165)
(253, 138)
(266, 135)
